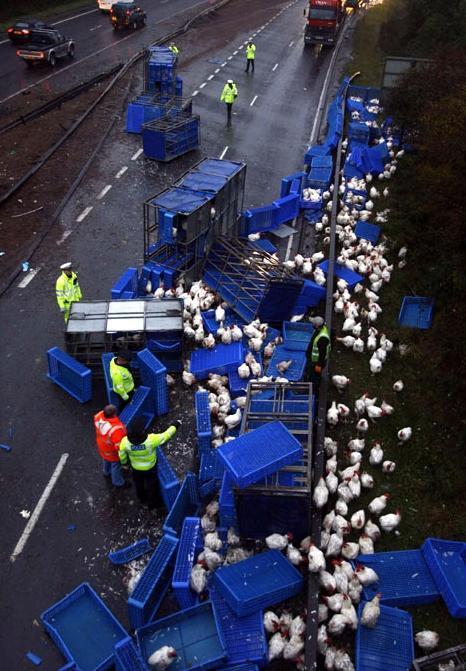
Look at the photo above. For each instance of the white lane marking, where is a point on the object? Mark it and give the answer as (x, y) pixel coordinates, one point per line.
(105, 190)
(194, 93)
(121, 172)
(291, 43)
(84, 213)
(76, 16)
(229, 58)
(65, 235)
(223, 152)
(95, 28)
(136, 155)
(235, 52)
(202, 85)
(210, 77)
(30, 276)
(253, 101)
(217, 70)
(222, 65)
(275, 67)
(38, 509)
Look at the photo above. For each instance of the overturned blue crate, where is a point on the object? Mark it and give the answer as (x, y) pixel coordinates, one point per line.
(297, 335)
(220, 359)
(317, 150)
(127, 282)
(141, 405)
(211, 467)
(128, 657)
(168, 481)
(404, 578)
(261, 219)
(193, 632)
(343, 273)
(416, 312)
(226, 502)
(153, 583)
(82, 616)
(166, 139)
(295, 371)
(154, 375)
(245, 638)
(367, 231)
(260, 452)
(186, 504)
(258, 582)
(447, 563)
(288, 207)
(191, 543)
(203, 423)
(212, 325)
(388, 645)
(319, 177)
(287, 182)
(130, 552)
(69, 374)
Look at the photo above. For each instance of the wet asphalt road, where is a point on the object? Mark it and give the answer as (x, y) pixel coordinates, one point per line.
(82, 519)
(98, 48)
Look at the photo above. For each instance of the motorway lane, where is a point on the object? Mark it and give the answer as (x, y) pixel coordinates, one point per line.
(82, 520)
(98, 47)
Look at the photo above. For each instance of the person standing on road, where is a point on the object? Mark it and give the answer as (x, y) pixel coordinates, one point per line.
(250, 55)
(140, 448)
(318, 353)
(109, 431)
(174, 49)
(67, 289)
(121, 376)
(229, 95)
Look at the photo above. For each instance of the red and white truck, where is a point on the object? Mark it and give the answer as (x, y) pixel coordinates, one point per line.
(323, 21)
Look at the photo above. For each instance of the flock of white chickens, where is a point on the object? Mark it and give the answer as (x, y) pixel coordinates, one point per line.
(339, 489)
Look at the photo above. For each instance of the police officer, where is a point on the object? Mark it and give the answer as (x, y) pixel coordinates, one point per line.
(67, 289)
(318, 353)
(229, 95)
(122, 378)
(140, 448)
(250, 54)
(174, 49)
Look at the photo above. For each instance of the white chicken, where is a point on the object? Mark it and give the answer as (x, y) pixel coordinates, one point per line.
(390, 522)
(405, 434)
(276, 646)
(297, 626)
(233, 420)
(271, 622)
(320, 495)
(398, 386)
(371, 612)
(358, 519)
(342, 661)
(212, 541)
(367, 481)
(372, 530)
(350, 550)
(198, 579)
(293, 647)
(347, 341)
(244, 371)
(327, 581)
(427, 640)
(376, 454)
(294, 556)
(388, 466)
(188, 378)
(366, 575)
(340, 382)
(377, 505)
(362, 425)
(332, 414)
(334, 545)
(219, 314)
(337, 624)
(349, 613)
(278, 541)
(366, 544)
(375, 412)
(163, 657)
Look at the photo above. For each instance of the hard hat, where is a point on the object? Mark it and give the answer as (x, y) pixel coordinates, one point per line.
(66, 266)
(230, 81)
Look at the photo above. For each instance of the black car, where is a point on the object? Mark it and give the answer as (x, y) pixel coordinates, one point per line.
(127, 15)
(23, 32)
(47, 47)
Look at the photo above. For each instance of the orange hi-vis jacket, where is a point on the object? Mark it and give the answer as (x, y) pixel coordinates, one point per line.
(108, 434)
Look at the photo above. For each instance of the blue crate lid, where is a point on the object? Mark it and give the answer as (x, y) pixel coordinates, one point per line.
(342, 272)
(259, 453)
(180, 200)
(221, 359)
(188, 548)
(258, 582)
(193, 632)
(416, 312)
(389, 645)
(367, 231)
(447, 563)
(130, 552)
(217, 166)
(154, 571)
(211, 467)
(298, 363)
(404, 578)
(198, 181)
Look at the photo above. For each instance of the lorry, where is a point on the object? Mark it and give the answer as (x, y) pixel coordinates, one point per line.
(46, 47)
(323, 21)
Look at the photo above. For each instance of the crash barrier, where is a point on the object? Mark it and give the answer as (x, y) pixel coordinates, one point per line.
(69, 374)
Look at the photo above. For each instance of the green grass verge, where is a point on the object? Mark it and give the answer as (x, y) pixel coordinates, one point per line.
(39, 11)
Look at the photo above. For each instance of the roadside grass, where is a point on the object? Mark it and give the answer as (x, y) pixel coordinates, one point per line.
(40, 10)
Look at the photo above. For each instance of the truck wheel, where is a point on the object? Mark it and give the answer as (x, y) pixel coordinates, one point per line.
(71, 51)
(52, 60)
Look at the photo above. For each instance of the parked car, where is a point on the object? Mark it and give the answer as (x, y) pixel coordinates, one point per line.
(24, 31)
(105, 5)
(127, 15)
(47, 47)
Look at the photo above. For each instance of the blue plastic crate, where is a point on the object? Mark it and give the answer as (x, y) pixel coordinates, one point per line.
(358, 131)
(153, 584)
(259, 219)
(322, 162)
(84, 629)
(141, 405)
(260, 452)
(210, 323)
(297, 335)
(221, 359)
(154, 375)
(286, 183)
(447, 563)
(298, 363)
(258, 582)
(319, 177)
(195, 635)
(288, 208)
(317, 150)
(69, 374)
(186, 504)
(264, 246)
(130, 552)
(190, 545)
(245, 638)
(128, 281)
(240, 667)
(342, 272)
(128, 657)
(367, 231)
(389, 645)
(203, 423)
(416, 312)
(211, 466)
(168, 481)
(404, 578)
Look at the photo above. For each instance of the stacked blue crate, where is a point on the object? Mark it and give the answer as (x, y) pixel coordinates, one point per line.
(186, 504)
(154, 375)
(203, 423)
(127, 282)
(190, 545)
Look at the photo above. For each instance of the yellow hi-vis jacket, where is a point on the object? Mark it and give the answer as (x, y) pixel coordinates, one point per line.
(122, 379)
(144, 456)
(174, 49)
(229, 93)
(68, 290)
(251, 52)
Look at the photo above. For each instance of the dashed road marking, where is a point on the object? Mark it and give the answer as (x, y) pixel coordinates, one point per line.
(275, 67)
(136, 155)
(84, 214)
(291, 43)
(65, 235)
(223, 64)
(105, 190)
(202, 85)
(217, 70)
(29, 277)
(121, 172)
(95, 28)
(194, 93)
(210, 77)
(229, 58)
(253, 101)
(223, 152)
